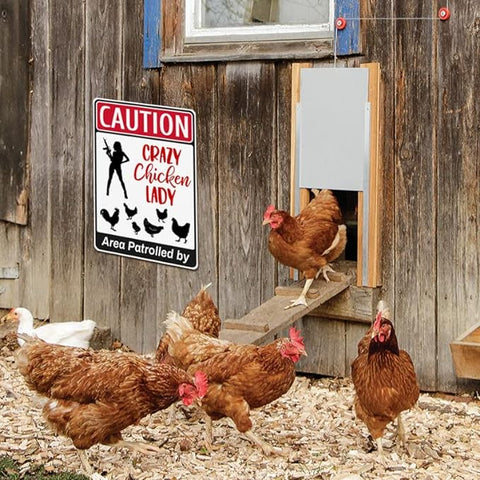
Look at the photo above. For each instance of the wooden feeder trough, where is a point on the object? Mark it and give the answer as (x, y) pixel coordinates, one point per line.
(466, 353)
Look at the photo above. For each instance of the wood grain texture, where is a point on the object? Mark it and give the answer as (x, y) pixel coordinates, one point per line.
(284, 73)
(14, 114)
(458, 254)
(103, 69)
(67, 118)
(415, 189)
(36, 236)
(247, 178)
(380, 45)
(139, 279)
(194, 87)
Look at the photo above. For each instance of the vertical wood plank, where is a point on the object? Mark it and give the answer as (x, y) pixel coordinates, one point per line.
(10, 256)
(284, 112)
(325, 345)
(14, 114)
(193, 86)
(415, 188)
(380, 46)
(374, 251)
(458, 254)
(35, 238)
(67, 153)
(247, 165)
(138, 278)
(103, 69)
(379, 41)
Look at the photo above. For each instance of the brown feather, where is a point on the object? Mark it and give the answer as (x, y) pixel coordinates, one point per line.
(300, 242)
(94, 395)
(385, 381)
(240, 377)
(203, 315)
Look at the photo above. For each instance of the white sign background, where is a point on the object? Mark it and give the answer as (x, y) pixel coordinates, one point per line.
(160, 174)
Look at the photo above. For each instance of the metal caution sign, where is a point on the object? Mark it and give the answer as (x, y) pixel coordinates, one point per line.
(145, 182)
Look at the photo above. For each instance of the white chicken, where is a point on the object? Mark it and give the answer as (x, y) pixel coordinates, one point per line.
(70, 334)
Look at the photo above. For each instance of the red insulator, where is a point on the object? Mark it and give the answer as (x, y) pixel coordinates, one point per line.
(340, 23)
(444, 13)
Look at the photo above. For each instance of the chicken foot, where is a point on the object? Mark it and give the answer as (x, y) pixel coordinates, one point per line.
(145, 448)
(266, 447)
(85, 463)
(208, 437)
(324, 270)
(301, 300)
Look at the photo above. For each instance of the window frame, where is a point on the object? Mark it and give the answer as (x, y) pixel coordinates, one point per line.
(165, 39)
(254, 33)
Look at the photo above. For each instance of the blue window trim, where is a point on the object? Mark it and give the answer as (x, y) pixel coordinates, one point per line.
(348, 39)
(152, 33)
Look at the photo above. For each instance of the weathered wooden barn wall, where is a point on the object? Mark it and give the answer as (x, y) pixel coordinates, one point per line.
(430, 242)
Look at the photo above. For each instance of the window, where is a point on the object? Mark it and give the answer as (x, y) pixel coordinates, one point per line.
(250, 20)
(209, 30)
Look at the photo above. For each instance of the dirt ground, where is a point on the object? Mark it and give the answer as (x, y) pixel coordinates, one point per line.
(313, 424)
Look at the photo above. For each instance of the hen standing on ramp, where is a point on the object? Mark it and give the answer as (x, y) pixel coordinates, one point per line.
(94, 395)
(309, 241)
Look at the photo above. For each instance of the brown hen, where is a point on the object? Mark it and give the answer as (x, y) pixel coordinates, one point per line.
(240, 377)
(203, 315)
(94, 395)
(384, 379)
(309, 241)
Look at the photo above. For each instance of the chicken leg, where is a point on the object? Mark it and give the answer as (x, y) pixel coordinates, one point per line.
(301, 300)
(208, 439)
(266, 447)
(324, 270)
(401, 429)
(85, 463)
(145, 448)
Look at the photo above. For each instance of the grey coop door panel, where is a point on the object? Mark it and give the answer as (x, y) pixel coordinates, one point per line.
(333, 128)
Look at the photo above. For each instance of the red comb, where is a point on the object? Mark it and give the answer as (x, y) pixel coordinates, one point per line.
(201, 382)
(378, 320)
(295, 336)
(268, 211)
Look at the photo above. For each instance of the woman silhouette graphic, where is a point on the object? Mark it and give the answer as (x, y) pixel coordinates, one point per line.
(116, 160)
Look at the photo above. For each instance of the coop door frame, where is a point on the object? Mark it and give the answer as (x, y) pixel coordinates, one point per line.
(369, 221)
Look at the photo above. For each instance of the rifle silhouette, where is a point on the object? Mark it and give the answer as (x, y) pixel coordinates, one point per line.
(106, 147)
(109, 152)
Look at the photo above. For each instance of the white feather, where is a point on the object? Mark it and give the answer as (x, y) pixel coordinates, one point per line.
(383, 308)
(72, 334)
(176, 325)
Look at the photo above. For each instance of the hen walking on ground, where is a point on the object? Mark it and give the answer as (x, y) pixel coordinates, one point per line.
(94, 395)
(384, 379)
(241, 377)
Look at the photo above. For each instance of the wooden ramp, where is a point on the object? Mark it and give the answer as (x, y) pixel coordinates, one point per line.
(271, 317)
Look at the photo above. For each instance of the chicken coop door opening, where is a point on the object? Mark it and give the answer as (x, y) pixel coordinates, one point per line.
(335, 123)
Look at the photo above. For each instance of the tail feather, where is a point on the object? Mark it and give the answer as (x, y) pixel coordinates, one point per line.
(176, 326)
(204, 287)
(383, 308)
